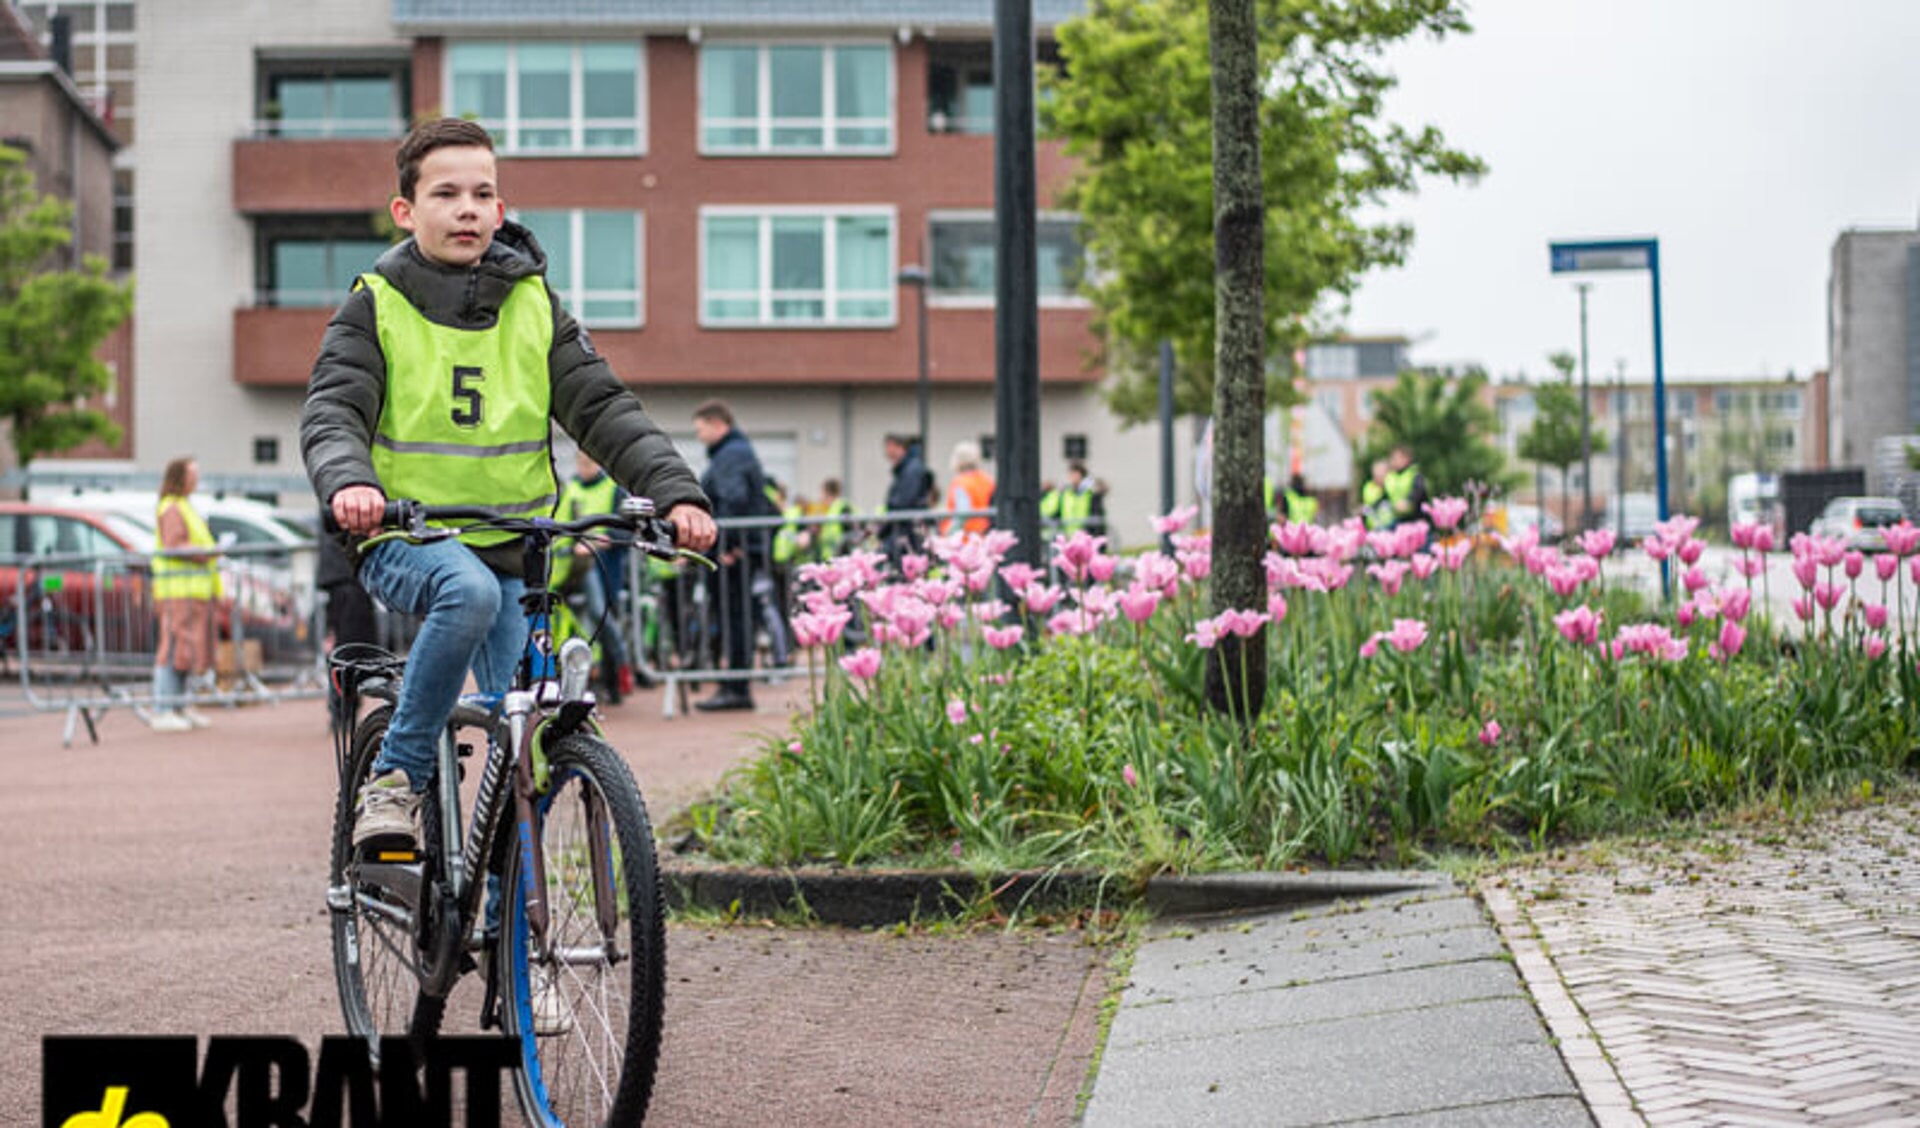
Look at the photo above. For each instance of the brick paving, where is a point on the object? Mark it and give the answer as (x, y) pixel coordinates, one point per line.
(1765, 974)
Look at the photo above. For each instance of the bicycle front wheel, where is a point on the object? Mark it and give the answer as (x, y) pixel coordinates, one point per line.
(586, 999)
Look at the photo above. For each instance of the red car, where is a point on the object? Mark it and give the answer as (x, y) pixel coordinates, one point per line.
(93, 603)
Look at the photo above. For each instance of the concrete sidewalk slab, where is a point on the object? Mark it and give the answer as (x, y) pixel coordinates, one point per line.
(1399, 1010)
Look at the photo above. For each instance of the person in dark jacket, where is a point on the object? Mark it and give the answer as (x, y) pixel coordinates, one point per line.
(437, 380)
(737, 484)
(351, 618)
(911, 488)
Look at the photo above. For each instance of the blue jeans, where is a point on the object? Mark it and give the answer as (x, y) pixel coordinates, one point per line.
(473, 620)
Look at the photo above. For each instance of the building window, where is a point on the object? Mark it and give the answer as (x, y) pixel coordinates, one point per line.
(551, 97)
(1333, 362)
(799, 267)
(1329, 401)
(312, 261)
(960, 83)
(318, 99)
(1780, 440)
(796, 98)
(964, 249)
(593, 263)
(1683, 403)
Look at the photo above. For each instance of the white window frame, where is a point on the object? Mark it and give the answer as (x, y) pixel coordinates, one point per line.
(506, 134)
(764, 121)
(983, 216)
(574, 295)
(765, 294)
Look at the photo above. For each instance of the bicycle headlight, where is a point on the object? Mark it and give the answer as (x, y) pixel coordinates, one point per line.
(576, 669)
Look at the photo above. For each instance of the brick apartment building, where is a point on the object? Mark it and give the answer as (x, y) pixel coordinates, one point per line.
(728, 199)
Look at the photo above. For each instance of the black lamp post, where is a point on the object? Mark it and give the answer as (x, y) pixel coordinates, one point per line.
(916, 276)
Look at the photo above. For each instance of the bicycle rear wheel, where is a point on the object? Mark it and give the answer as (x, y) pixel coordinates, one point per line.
(587, 1006)
(376, 960)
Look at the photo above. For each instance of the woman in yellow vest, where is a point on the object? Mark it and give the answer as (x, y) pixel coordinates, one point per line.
(186, 581)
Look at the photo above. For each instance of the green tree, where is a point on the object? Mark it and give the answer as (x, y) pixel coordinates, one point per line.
(51, 321)
(1237, 666)
(1554, 438)
(1445, 423)
(1132, 104)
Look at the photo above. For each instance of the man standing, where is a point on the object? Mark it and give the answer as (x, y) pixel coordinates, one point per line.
(911, 488)
(737, 486)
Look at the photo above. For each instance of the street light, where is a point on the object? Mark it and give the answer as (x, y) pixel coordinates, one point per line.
(916, 276)
(1586, 425)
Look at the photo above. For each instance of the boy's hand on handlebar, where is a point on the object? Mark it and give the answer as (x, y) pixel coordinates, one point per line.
(693, 527)
(359, 509)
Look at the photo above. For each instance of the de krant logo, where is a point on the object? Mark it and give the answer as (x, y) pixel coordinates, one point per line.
(271, 1082)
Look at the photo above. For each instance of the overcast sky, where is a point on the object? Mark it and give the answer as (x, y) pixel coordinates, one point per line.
(1744, 134)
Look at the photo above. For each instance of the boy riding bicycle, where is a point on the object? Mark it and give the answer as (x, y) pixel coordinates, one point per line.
(436, 381)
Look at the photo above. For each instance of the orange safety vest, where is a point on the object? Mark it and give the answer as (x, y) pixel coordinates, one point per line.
(971, 490)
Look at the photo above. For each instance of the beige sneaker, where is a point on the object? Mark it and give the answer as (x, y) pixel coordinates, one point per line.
(170, 721)
(196, 718)
(389, 810)
(551, 1013)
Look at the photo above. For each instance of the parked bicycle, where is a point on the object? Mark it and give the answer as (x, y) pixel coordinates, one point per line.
(573, 953)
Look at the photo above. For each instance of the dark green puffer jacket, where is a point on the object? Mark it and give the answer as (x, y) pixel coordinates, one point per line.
(349, 381)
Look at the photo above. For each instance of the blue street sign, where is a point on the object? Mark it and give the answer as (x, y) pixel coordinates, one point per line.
(1571, 258)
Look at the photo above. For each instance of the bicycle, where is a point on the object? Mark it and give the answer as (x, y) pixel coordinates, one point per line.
(576, 968)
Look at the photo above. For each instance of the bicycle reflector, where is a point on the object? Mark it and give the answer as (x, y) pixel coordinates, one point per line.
(576, 668)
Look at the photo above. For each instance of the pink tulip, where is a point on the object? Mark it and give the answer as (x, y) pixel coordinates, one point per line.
(1656, 548)
(1874, 645)
(1803, 608)
(1805, 570)
(1690, 550)
(1749, 566)
(1073, 621)
(1139, 603)
(1876, 615)
(1454, 554)
(795, 747)
(1205, 633)
(1422, 564)
(1157, 571)
(1040, 598)
(1732, 637)
(914, 565)
(1580, 625)
(1372, 646)
(1175, 521)
(1763, 539)
(1597, 543)
(1913, 569)
(1100, 568)
(1742, 533)
(1300, 538)
(1019, 575)
(1827, 595)
(1243, 624)
(957, 711)
(862, 664)
(1276, 607)
(1828, 551)
(1446, 511)
(1390, 574)
(1685, 615)
(1407, 635)
(1128, 776)
(1853, 563)
(1735, 604)
(1490, 733)
(1695, 579)
(1902, 538)
(1886, 565)
(1002, 637)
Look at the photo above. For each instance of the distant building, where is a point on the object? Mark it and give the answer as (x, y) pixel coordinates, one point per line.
(1873, 342)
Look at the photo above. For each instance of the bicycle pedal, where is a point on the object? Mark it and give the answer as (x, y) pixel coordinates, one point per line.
(388, 856)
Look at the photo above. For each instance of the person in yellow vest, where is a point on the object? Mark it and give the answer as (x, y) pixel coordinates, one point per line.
(597, 572)
(829, 538)
(1374, 509)
(971, 488)
(1302, 506)
(1405, 488)
(186, 582)
(439, 379)
(1080, 504)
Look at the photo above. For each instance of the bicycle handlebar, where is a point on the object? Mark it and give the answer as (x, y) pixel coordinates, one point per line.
(652, 534)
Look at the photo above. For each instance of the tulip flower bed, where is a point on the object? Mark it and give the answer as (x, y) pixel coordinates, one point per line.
(1421, 695)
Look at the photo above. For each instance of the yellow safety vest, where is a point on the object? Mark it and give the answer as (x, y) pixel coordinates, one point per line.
(1302, 508)
(176, 577)
(831, 533)
(1400, 489)
(577, 500)
(465, 421)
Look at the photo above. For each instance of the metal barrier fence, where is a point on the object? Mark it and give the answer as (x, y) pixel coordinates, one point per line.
(78, 632)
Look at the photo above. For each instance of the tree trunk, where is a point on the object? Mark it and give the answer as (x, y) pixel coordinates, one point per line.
(1237, 667)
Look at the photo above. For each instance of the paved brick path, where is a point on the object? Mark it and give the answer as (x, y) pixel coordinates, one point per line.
(1768, 974)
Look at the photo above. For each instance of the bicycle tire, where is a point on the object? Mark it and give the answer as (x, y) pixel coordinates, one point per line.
(612, 1016)
(379, 992)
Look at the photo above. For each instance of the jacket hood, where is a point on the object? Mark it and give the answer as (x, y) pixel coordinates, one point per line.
(464, 297)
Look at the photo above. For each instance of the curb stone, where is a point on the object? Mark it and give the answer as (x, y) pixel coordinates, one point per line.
(873, 898)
